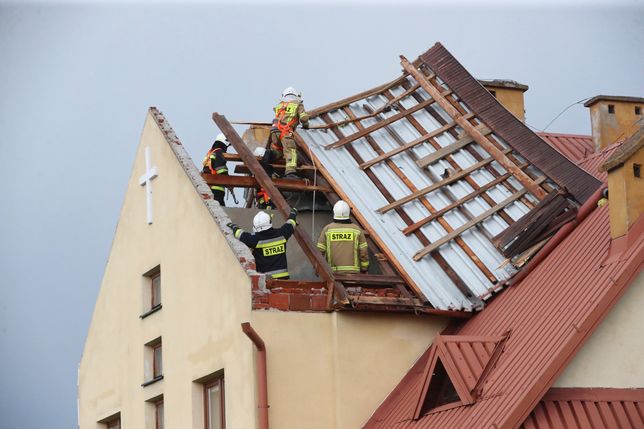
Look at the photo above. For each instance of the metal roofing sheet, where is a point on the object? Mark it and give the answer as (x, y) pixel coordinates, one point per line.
(549, 315)
(431, 181)
(596, 408)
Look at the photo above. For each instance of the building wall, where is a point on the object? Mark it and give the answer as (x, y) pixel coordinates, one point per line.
(325, 370)
(204, 301)
(612, 356)
(332, 370)
(511, 99)
(629, 190)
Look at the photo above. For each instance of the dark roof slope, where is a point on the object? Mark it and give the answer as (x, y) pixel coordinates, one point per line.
(548, 315)
(512, 130)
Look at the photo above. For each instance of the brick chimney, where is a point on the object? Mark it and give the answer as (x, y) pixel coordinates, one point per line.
(509, 93)
(614, 118)
(626, 183)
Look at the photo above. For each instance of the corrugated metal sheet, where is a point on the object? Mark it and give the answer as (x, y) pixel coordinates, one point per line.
(582, 408)
(507, 126)
(549, 314)
(573, 146)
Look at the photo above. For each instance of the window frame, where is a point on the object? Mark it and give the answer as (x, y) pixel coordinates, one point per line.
(157, 363)
(150, 358)
(219, 380)
(158, 405)
(151, 292)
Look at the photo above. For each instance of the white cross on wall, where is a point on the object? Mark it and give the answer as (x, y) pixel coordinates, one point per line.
(146, 180)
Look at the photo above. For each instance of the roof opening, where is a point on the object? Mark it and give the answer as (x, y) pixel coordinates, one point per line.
(441, 390)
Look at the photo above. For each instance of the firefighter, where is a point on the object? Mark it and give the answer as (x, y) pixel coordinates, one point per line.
(215, 163)
(344, 243)
(263, 201)
(288, 114)
(267, 243)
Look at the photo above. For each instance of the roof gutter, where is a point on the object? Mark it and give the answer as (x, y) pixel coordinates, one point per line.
(584, 211)
(261, 373)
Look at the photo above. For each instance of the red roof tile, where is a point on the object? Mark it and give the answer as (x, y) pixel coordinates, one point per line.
(573, 146)
(549, 315)
(592, 163)
(596, 408)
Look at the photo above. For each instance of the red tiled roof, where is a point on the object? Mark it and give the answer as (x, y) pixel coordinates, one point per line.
(573, 146)
(549, 315)
(595, 408)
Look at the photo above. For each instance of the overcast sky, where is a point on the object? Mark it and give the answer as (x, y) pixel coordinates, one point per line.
(76, 81)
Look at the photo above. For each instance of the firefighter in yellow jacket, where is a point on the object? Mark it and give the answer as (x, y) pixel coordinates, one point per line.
(344, 243)
(288, 114)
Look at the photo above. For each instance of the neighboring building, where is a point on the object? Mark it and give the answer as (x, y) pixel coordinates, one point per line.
(509, 93)
(460, 201)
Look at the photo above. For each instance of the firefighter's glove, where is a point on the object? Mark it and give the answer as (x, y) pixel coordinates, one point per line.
(293, 213)
(232, 226)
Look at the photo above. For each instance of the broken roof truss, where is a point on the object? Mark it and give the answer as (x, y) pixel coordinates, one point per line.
(448, 184)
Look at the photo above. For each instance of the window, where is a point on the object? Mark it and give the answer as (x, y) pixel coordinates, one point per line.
(214, 404)
(111, 422)
(151, 291)
(611, 108)
(158, 414)
(638, 110)
(637, 170)
(153, 365)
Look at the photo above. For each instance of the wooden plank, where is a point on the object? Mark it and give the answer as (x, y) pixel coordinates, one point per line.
(252, 182)
(435, 186)
(242, 169)
(450, 149)
(386, 300)
(498, 154)
(272, 283)
(458, 231)
(378, 125)
(307, 246)
(368, 279)
(364, 94)
(416, 142)
(455, 204)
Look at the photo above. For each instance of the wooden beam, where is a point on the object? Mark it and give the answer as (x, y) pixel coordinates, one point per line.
(435, 186)
(364, 94)
(369, 279)
(450, 149)
(272, 283)
(252, 182)
(497, 153)
(455, 204)
(386, 300)
(416, 142)
(458, 231)
(307, 246)
(378, 125)
(242, 169)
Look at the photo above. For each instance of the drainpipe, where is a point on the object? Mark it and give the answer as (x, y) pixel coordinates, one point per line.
(564, 231)
(261, 373)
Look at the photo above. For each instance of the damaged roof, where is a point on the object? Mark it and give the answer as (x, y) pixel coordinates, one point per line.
(437, 170)
(546, 318)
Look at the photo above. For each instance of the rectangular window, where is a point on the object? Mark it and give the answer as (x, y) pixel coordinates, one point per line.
(158, 414)
(637, 170)
(638, 110)
(611, 108)
(151, 292)
(157, 363)
(111, 422)
(153, 361)
(214, 404)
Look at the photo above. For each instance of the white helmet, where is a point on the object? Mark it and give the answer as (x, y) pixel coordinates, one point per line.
(222, 138)
(259, 151)
(341, 210)
(262, 221)
(291, 91)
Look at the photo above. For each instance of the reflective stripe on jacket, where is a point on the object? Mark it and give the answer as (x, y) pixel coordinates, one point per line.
(345, 247)
(288, 114)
